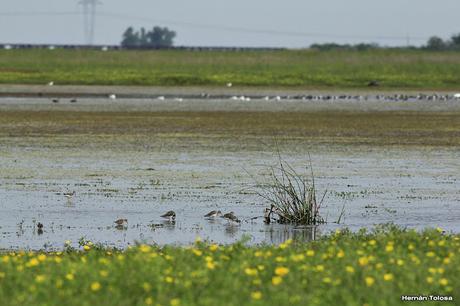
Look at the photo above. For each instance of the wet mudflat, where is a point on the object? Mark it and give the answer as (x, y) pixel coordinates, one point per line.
(136, 161)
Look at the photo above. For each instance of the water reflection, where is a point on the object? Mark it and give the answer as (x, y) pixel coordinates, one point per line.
(277, 233)
(169, 224)
(231, 230)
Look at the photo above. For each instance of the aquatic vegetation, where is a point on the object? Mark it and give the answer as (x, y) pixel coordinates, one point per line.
(292, 195)
(343, 268)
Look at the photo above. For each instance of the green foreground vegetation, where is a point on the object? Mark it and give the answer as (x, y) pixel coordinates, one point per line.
(338, 69)
(343, 268)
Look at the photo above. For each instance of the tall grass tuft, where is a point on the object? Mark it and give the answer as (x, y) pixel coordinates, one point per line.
(293, 196)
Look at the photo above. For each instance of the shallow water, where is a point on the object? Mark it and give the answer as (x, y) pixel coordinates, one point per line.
(128, 172)
(415, 187)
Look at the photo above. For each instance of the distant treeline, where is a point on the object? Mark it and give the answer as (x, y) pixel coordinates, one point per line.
(157, 37)
(434, 43)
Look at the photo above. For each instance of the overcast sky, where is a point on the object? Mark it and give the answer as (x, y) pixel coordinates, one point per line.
(288, 23)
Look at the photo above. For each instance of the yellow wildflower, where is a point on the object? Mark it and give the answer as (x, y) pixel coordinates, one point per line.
(41, 257)
(197, 252)
(104, 273)
(369, 281)
(86, 247)
(175, 302)
(210, 265)
(310, 253)
(32, 263)
(340, 254)
(169, 279)
(443, 282)
(95, 286)
(276, 280)
(40, 278)
(349, 269)
(146, 286)
(297, 257)
(319, 268)
(389, 248)
(388, 277)
(281, 271)
(213, 247)
(280, 259)
(372, 242)
(363, 261)
(70, 277)
(148, 301)
(256, 295)
(144, 248)
(250, 272)
(429, 280)
(430, 254)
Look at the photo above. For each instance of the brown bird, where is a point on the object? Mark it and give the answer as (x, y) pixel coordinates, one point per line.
(213, 214)
(170, 215)
(231, 217)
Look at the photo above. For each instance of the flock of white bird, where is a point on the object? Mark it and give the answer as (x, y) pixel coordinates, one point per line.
(393, 97)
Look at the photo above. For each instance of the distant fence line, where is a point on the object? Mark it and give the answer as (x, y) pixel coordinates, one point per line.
(117, 47)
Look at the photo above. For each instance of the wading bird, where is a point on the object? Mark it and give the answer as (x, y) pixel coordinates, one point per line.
(213, 214)
(69, 195)
(121, 222)
(170, 215)
(231, 217)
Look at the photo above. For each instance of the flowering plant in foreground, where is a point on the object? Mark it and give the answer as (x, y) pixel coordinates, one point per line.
(343, 268)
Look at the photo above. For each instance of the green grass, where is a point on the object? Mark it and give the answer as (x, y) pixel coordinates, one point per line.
(396, 69)
(345, 268)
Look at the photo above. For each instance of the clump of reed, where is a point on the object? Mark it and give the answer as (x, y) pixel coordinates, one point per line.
(293, 196)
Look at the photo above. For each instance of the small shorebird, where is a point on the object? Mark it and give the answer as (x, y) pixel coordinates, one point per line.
(74, 100)
(112, 96)
(51, 83)
(55, 100)
(39, 225)
(268, 213)
(121, 222)
(231, 217)
(170, 215)
(69, 195)
(213, 214)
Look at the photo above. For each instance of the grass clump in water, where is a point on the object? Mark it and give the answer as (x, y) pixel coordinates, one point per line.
(293, 196)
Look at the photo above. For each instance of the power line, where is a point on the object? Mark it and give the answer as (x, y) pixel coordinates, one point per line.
(118, 16)
(89, 15)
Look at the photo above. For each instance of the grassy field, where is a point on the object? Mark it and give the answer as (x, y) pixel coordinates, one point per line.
(395, 69)
(373, 268)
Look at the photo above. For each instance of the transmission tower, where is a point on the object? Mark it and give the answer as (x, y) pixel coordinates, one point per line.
(89, 15)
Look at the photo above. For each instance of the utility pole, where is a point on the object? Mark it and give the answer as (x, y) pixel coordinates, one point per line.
(89, 17)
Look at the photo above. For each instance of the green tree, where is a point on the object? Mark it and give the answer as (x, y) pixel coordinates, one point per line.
(436, 43)
(455, 41)
(161, 37)
(157, 37)
(130, 38)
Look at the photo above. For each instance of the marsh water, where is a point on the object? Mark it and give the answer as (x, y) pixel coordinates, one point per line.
(412, 186)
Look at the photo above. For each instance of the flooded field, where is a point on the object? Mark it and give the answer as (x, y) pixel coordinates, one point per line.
(138, 158)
